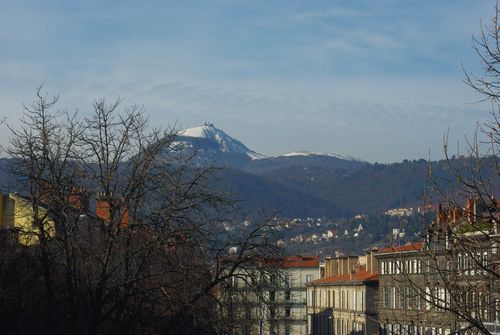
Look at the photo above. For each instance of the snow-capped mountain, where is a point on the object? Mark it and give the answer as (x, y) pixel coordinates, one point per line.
(325, 154)
(304, 159)
(213, 146)
(223, 142)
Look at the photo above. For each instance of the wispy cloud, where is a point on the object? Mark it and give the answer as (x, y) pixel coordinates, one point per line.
(358, 78)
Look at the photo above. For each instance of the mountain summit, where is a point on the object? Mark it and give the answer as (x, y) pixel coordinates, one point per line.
(212, 146)
(218, 140)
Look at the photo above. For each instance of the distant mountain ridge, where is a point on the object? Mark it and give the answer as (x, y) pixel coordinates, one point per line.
(309, 184)
(298, 184)
(310, 153)
(215, 147)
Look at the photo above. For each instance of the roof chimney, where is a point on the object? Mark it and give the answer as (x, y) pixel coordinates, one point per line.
(371, 261)
(351, 273)
(78, 198)
(104, 207)
(470, 210)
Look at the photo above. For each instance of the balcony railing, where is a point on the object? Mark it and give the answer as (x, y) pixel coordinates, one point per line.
(493, 327)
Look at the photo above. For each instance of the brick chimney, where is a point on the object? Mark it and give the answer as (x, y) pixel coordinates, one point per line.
(103, 210)
(78, 198)
(331, 267)
(371, 261)
(443, 215)
(470, 210)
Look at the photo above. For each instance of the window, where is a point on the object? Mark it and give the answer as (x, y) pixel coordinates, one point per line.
(385, 298)
(495, 315)
(417, 300)
(409, 297)
(440, 297)
(385, 329)
(248, 313)
(411, 329)
(272, 312)
(485, 262)
(288, 312)
(234, 281)
(309, 278)
(287, 295)
(401, 294)
(428, 298)
(393, 297)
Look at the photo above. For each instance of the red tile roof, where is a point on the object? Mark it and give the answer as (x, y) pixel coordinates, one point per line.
(358, 276)
(409, 247)
(301, 261)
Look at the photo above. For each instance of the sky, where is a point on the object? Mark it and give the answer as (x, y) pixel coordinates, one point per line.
(381, 80)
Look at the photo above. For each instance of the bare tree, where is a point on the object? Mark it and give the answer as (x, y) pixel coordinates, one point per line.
(129, 237)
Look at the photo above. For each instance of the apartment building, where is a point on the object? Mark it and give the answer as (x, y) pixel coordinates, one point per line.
(448, 283)
(277, 305)
(343, 302)
(405, 285)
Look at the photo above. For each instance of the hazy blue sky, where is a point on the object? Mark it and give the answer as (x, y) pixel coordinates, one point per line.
(379, 80)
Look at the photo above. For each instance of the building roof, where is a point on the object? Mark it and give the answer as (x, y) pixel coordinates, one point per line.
(403, 248)
(280, 262)
(356, 277)
(301, 261)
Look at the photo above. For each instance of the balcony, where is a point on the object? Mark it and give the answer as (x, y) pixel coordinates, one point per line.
(493, 327)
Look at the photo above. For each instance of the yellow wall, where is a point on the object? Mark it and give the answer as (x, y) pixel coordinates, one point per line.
(17, 212)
